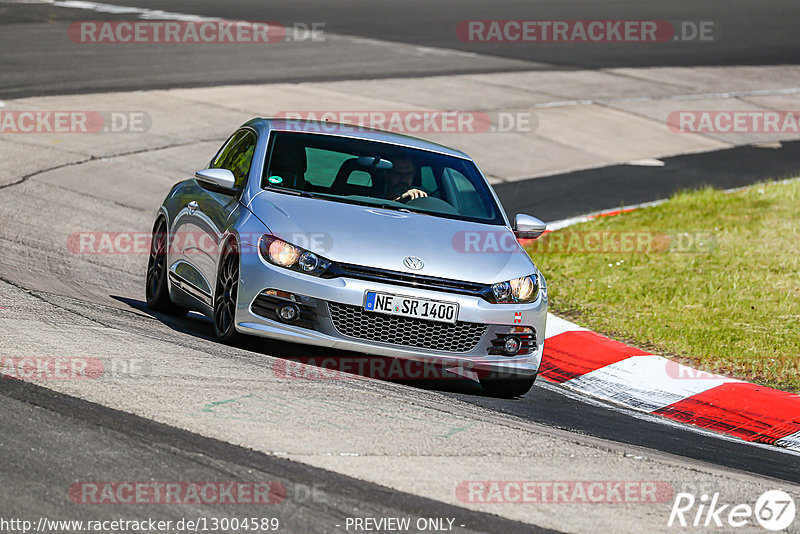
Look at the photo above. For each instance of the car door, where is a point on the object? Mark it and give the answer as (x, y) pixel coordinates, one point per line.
(205, 221)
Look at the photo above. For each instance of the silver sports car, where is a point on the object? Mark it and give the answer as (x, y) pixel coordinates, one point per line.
(357, 239)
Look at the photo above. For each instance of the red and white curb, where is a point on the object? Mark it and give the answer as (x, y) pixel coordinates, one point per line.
(563, 223)
(596, 366)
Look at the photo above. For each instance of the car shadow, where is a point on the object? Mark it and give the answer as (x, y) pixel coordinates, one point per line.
(298, 361)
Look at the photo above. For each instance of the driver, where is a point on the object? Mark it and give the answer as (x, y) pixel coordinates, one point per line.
(398, 182)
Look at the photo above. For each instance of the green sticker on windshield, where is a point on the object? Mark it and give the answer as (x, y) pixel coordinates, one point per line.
(275, 179)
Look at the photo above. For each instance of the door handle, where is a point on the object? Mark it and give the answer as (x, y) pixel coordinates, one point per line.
(192, 206)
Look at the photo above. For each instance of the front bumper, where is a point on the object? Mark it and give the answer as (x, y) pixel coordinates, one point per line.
(320, 329)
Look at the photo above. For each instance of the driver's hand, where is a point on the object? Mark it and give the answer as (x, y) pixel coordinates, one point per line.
(411, 194)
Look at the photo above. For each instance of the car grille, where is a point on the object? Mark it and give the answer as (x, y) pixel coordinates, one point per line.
(353, 321)
(433, 283)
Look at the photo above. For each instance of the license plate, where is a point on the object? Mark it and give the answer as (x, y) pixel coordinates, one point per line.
(430, 310)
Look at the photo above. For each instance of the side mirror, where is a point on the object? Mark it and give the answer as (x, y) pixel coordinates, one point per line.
(218, 178)
(527, 227)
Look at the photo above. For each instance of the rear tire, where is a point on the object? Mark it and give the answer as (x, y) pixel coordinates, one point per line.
(506, 386)
(156, 289)
(226, 295)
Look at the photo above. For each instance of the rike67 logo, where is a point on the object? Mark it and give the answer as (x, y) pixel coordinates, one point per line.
(774, 510)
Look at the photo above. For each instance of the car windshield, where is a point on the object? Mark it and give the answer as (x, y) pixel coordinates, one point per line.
(359, 171)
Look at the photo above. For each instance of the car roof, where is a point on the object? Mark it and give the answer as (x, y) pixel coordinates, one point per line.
(355, 132)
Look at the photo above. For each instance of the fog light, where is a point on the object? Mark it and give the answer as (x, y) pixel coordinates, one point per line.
(288, 313)
(512, 345)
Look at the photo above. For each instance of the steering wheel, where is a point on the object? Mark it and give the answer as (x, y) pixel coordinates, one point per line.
(404, 199)
(433, 204)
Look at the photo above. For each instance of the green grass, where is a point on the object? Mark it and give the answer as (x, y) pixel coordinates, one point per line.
(730, 305)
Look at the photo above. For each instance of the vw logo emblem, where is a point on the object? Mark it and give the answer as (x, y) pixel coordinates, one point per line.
(412, 262)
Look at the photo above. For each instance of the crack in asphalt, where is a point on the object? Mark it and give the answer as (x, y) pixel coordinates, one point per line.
(33, 293)
(106, 157)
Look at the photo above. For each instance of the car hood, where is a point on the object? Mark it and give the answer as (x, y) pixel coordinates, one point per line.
(382, 238)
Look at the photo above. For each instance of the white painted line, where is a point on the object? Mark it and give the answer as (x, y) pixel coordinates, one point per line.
(157, 14)
(646, 162)
(785, 181)
(563, 223)
(644, 383)
(557, 325)
(417, 50)
(772, 145)
(563, 103)
(142, 13)
(686, 96)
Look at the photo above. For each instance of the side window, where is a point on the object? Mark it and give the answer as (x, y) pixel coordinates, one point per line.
(469, 201)
(216, 163)
(237, 156)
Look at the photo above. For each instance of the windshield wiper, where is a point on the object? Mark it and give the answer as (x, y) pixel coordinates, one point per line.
(383, 205)
(295, 192)
(343, 200)
(396, 208)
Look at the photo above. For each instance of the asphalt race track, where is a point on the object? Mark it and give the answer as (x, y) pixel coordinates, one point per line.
(48, 438)
(368, 46)
(116, 444)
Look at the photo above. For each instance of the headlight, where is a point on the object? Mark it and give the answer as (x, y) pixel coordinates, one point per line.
(283, 254)
(525, 289)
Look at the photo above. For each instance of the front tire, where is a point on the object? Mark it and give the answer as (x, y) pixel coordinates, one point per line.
(506, 386)
(156, 289)
(226, 295)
